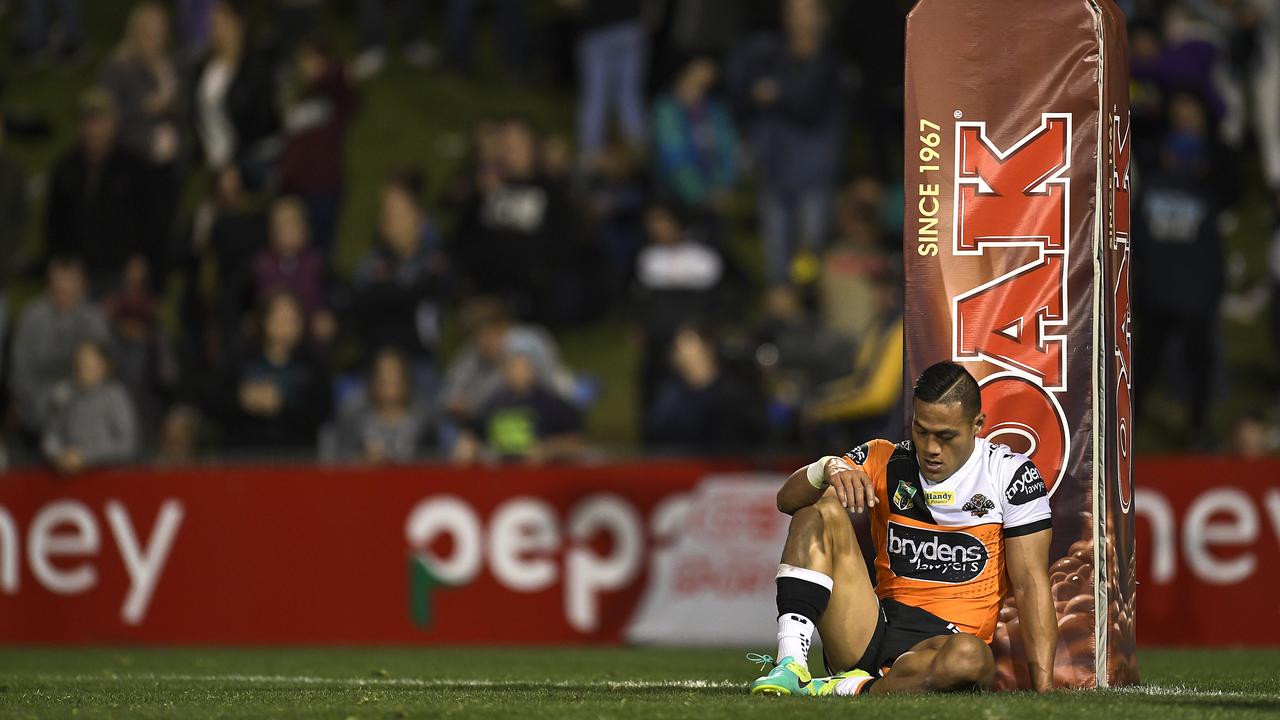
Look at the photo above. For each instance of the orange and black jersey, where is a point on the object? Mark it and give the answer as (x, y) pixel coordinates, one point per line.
(940, 546)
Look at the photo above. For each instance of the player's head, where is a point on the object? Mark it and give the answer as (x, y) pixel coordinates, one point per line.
(947, 416)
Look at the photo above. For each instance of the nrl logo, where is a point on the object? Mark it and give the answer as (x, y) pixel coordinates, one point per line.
(905, 496)
(979, 505)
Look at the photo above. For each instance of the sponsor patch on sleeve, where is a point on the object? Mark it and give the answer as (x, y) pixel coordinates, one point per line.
(859, 454)
(1027, 485)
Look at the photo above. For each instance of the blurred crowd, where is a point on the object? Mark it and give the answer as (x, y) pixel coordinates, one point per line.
(190, 306)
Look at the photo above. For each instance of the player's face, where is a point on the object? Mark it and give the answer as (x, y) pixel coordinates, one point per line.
(943, 434)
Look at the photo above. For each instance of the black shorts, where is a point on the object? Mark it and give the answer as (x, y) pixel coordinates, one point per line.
(899, 628)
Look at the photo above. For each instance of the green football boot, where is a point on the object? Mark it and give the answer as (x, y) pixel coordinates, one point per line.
(825, 686)
(788, 677)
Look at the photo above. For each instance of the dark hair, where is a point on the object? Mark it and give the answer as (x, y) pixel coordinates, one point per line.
(483, 311)
(268, 301)
(393, 353)
(316, 43)
(65, 261)
(947, 382)
(104, 352)
(237, 7)
(671, 207)
(410, 181)
(688, 58)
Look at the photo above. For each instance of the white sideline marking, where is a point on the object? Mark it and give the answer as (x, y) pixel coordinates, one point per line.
(403, 682)
(441, 683)
(1174, 691)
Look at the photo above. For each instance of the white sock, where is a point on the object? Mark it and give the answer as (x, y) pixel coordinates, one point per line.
(794, 635)
(851, 686)
(804, 593)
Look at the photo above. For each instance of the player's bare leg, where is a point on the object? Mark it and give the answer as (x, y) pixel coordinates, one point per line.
(821, 539)
(947, 663)
(823, 585)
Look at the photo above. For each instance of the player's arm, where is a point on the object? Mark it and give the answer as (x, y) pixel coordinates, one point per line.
(851, 484)
(1027, 563)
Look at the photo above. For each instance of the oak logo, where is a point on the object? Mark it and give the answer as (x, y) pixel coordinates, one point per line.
(1014, 203)
(935, 556)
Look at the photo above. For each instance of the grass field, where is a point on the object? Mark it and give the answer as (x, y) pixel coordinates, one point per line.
(562, 683)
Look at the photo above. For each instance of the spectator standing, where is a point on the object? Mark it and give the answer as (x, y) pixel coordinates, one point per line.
(1178, 285)
(35, 37)
(145, 363)
(510, 35)
(398, 285)
(516, 238)
(13, 206)
(143, 82)
(699, 408)
(1273, 275)
(1264, 17)
(91, 419)
(872, 36)
(612, 62)
(387, 424)
(617, 194)
(481, 169)
(50, 329)
(292, 21)
(13, 224)
(406, 18)
(695, 145)
(853, 267)
(180, 436)
(796, 353)
(277, 395)
(99, 207)
(234, 100)
(290, 263)
(1191, 56)
(313, 163)
(677, 280)
(709, 25)
(194, 21)
(866, 400)
(227, 232)
(790, 93)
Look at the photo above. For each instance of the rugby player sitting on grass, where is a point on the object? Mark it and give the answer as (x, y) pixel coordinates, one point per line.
(950, 514)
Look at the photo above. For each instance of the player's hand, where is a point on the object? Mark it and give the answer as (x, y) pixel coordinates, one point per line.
(852, 484)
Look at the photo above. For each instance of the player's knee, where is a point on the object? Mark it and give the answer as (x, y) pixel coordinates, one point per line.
(964, 663)
(807, 523)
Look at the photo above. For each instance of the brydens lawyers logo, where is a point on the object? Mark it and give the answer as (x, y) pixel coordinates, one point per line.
(935, 556)
(1027, 485)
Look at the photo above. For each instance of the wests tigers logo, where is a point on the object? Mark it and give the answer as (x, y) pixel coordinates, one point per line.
(979, 505)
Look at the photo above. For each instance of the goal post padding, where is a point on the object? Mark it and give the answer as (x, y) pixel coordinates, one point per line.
(1016, 260)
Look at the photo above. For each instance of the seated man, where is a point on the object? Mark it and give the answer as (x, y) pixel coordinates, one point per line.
(950, 514)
